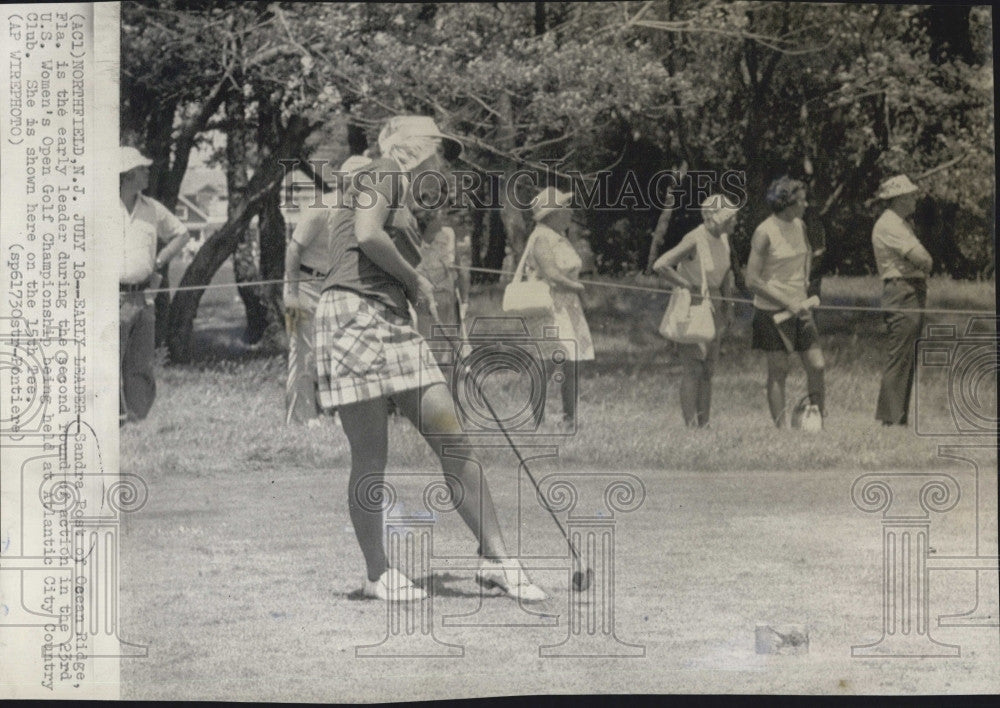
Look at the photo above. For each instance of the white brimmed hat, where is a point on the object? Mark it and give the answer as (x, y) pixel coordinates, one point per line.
(399, 128)
(354, 163)
(896, 187)
(548, 200)
(131, 158)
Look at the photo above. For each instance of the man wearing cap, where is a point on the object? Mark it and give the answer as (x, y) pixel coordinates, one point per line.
(147, 223)
(307, 261)
(903, 264)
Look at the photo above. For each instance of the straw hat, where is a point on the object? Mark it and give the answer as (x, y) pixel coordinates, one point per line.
(130, 158)
(548, 200)
(896, 187)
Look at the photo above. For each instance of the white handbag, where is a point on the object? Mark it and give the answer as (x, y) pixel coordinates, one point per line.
(686, 323)
(527, 298)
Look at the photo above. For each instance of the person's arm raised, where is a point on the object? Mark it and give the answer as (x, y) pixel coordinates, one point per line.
(666, 265)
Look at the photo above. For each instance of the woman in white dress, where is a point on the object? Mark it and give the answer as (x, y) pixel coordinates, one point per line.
(552, 258)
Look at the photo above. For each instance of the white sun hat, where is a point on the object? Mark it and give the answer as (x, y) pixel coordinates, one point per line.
(548, 200)
(354, 163)
(130, 158)
(896, 187)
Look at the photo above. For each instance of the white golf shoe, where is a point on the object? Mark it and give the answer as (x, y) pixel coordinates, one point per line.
(509, 576)
(392, 586)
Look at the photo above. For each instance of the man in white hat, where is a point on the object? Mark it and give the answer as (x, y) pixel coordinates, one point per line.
(903, 264)
(147, 224)
(307, 261)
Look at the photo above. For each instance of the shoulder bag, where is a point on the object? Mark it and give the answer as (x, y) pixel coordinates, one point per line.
(686, 323)
(527, 298)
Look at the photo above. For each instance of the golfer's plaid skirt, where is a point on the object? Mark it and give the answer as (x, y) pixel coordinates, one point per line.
(364, 350)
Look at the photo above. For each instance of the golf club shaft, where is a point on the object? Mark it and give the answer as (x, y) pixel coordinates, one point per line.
(513, 446)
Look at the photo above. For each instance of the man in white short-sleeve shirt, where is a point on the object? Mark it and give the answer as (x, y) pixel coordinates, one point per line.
(147, 224)
(903, 265)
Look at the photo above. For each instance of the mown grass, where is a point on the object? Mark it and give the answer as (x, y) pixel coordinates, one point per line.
(241, 573)
(231, 398)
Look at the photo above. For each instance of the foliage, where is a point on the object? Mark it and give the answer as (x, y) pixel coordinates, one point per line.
(843, 95)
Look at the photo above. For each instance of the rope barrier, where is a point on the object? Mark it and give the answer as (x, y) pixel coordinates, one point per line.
(667, 291)
(616, 286)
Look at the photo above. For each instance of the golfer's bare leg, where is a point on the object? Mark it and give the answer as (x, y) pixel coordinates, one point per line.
(777, 372)
(366, 427)
(570, 388)
(812, 360)
(689, 389)
(439, 426)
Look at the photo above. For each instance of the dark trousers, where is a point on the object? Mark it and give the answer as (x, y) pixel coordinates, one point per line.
(904, 329)
(137, 329)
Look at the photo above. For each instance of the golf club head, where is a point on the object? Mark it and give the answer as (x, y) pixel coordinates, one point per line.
(582, 579)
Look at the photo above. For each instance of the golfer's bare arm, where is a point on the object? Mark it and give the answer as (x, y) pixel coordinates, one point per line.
(755, 268)
(375, 243)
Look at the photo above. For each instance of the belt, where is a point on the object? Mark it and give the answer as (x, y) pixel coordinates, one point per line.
(311, 271)
(133, 287)
(915, 279)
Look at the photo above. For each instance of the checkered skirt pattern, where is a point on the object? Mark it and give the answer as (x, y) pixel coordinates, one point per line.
(364, 350)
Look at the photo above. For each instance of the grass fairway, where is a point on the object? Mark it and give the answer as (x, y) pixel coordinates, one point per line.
(241, 572)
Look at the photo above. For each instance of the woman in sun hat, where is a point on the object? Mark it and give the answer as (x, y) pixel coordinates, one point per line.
(702, 250)
(778, 273)
(903, 265)
(368, 352)
(307, 260)
(552, 258)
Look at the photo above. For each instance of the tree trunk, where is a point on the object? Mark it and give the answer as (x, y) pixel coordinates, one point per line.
(272, 267)
(246, 255)
(357, 140)
(271, 243)
(222, 244)
(512, 218)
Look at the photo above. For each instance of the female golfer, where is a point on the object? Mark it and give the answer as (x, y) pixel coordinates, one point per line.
(705, 250)
(553, 259)
(777, 273)
(368, 352)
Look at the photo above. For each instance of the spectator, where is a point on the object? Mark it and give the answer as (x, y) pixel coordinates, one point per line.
(903, 265)
(147, 223)
(553, 259)
(778, 273)
(307, 261)
(703, 250)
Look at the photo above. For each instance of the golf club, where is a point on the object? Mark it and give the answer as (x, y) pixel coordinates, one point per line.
(582, 575)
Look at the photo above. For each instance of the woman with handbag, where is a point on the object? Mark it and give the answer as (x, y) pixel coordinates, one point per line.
(700, 262)
(550, 257)
(778, 274)
(368, 352)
